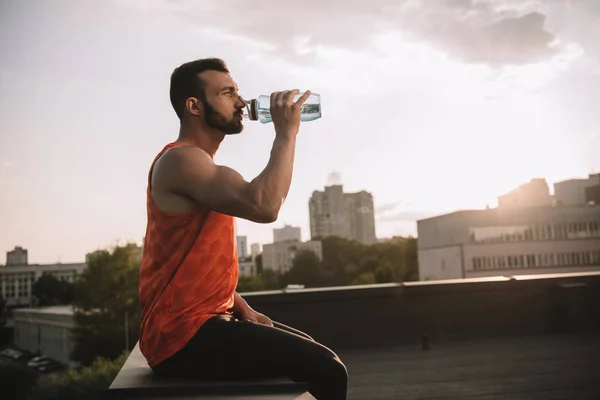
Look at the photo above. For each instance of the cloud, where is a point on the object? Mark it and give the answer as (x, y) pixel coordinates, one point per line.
(385, 208)
(494, 32)
(407, 216)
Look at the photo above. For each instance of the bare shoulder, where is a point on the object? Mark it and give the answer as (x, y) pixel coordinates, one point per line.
(181, 157)
(181, 160)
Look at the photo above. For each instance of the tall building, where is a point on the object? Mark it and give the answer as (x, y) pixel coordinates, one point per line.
(577, 192)
(287, 233)
(347, 215)
(534, 193)
(242, 247)
(509, 241)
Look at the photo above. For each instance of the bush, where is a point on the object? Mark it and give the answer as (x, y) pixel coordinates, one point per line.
(86, 383)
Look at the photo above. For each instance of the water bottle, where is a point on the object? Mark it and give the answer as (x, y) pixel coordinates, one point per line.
(259, 109)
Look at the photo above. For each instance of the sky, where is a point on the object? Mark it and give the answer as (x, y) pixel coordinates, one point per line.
(432, 105)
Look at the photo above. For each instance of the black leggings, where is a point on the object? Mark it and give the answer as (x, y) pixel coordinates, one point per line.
(228, 348)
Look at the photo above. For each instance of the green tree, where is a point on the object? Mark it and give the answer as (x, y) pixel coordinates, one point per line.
(271, 279)
(340, 258)
(259, 264)
(49, 291)
(107, 304)
(365, 278)
(306, 270)
(87, 383)
(250, 284)
(412, 261)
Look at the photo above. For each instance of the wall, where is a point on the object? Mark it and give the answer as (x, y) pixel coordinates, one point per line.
(440, 263)
(45, 329)
(373, 315)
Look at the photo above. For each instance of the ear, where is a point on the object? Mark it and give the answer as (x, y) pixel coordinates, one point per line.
(194, 106)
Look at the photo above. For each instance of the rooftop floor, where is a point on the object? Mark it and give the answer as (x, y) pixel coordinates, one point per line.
(540, 367)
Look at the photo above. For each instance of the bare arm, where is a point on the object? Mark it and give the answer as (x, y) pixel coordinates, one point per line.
(240, 305)
(189, 171)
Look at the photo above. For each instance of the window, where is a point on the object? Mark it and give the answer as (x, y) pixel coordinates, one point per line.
(531, 260)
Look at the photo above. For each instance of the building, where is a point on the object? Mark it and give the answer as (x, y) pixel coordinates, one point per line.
(18, 256)
(279, 256)
(347, 215)
(254, 250)
(242, 247)
(46, 330)
(18, 276)
(534, 193)
(287, 233)
(247, 267)
(509, 241)
(578, 192)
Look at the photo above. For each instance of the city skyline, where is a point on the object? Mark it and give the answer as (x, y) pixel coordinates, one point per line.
(430, 117)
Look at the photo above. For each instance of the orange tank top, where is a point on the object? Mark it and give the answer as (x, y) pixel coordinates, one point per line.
(203, 286)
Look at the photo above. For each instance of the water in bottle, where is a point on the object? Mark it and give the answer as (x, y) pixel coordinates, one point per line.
(259, 109)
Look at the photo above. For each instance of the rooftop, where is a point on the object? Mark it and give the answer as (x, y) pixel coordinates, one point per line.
(528, 367)
(524, 337)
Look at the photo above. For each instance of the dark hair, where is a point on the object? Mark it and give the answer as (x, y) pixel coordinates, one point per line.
(185, 82)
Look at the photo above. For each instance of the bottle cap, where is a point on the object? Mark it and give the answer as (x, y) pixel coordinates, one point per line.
(251, 107)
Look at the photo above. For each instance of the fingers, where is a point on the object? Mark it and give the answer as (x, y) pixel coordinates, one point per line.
(286, 97)
(289, 101)
(302, 99)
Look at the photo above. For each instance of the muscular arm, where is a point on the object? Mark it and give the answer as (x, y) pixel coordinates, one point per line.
(189, 171)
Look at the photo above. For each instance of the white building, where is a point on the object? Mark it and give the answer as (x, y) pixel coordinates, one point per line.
(577, 192)
(17, 276)
(535, 193)
(45, 329)
(247, 267)
(279, 256)
(242, 247)
(287, 233)
(509, 241)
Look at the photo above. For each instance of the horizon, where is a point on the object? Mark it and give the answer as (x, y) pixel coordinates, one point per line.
(431, 108)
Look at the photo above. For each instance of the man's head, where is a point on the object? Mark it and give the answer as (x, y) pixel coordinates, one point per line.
(204, 89)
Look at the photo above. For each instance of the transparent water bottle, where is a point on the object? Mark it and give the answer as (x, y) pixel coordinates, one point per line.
(259, 109)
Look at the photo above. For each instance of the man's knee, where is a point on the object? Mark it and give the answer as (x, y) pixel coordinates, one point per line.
(336, 370)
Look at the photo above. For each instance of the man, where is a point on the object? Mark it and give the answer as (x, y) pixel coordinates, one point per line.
(189, 269)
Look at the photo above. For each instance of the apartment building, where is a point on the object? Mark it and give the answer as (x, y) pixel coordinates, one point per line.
(347, 215)
(509, 241)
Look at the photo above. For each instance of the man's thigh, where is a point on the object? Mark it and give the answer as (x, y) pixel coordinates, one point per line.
(255, 350)
(292, 330)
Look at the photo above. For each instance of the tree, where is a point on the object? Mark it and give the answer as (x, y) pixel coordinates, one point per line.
(107, 304)
(50, 291)
(259, 264)
(271, 279)
(87, 383)
(306, 270)
(250, 284)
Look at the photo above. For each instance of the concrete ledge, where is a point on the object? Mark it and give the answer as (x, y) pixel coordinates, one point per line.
(136, 380)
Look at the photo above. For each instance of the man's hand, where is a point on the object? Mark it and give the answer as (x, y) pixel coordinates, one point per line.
(255, 316)
(285, 113)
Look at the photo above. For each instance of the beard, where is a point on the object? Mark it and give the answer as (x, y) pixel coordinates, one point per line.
(215, 119)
